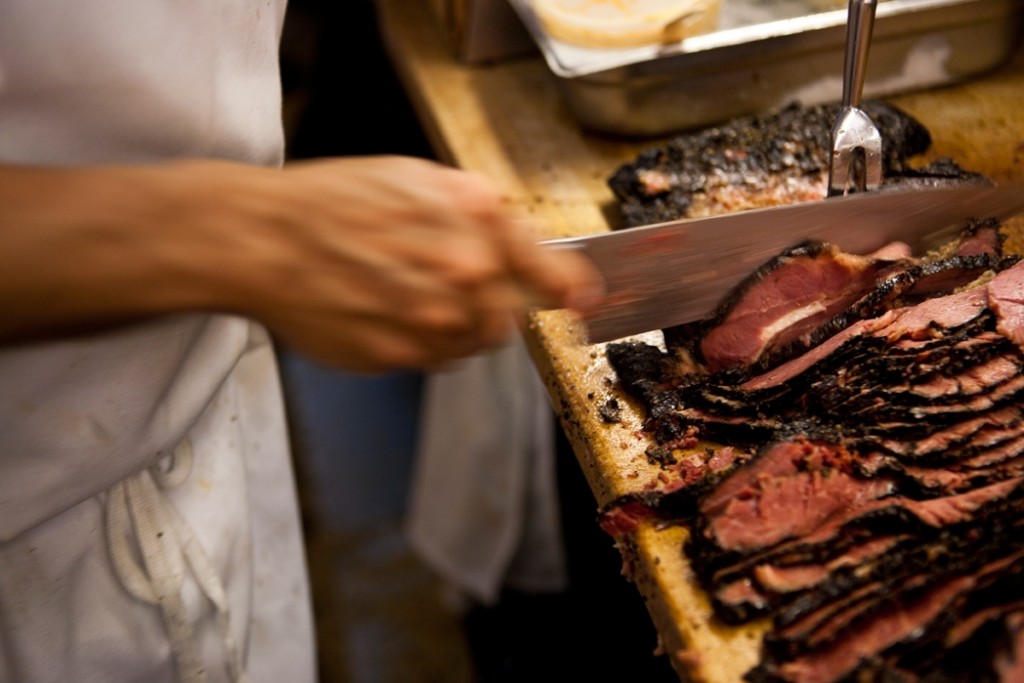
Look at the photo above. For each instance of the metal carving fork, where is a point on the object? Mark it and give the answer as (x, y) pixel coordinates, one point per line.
(856, 163)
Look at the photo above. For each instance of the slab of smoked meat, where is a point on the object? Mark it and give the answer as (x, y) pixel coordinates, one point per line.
(777, 158)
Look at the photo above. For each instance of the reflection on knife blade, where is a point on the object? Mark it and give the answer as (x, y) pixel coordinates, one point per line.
(671, 273)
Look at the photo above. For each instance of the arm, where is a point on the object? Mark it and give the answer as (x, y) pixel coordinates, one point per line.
(368, 263)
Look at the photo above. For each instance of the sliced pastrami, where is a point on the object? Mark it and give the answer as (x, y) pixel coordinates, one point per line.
(1006, 298)
(1009, 664)
(738, 595)
(856, 376)
(993, 456)
(886, 406)
(813, 291)
(944, 443)
(766, 585)
(891, 623)
(790, 296)
(987, 464)
(873, 625)
(740, 600)
(789, 490)
(861, 502)
(975, 593)
(980, 237)
(909, 398)
(790, 579)
(943, 387)
(899, 289)
(674, 493)
(624, 517)
(787, 371)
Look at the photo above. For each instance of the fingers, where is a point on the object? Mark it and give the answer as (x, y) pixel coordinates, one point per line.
(545, 277)
(374, 345)
(542, 276)
(556, 277)
(396, 262)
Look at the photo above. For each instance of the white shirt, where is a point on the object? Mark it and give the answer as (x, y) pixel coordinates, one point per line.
(95, 514)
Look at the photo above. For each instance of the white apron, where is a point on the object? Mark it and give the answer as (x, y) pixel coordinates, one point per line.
(149, 529)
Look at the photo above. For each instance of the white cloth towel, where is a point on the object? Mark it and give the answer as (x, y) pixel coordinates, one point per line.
(483, 509)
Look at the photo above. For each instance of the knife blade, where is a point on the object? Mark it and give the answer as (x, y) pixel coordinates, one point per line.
(666, 274)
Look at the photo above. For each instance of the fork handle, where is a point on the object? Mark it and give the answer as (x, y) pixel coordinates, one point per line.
(859, 25)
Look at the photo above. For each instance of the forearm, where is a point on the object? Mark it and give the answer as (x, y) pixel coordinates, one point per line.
(86, 248)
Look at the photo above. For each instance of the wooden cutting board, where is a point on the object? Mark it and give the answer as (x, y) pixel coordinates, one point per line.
(508, 122)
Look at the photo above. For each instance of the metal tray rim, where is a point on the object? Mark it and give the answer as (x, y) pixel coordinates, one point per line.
(570, 62)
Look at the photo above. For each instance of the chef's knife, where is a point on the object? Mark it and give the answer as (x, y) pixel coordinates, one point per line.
(666, 274)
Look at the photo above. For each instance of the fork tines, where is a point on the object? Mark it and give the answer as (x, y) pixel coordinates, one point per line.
(856, 163)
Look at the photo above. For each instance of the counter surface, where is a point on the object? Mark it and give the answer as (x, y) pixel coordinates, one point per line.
(508, 122)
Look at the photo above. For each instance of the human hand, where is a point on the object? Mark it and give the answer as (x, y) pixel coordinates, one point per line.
(376, 263)
(368, 264)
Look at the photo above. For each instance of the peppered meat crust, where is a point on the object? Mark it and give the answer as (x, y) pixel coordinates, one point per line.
(775, 158)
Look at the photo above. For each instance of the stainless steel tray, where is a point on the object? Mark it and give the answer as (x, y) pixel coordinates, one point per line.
(768, 53)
